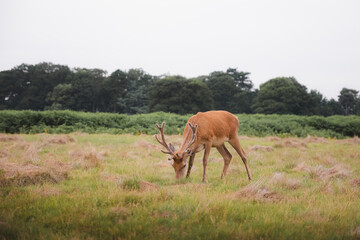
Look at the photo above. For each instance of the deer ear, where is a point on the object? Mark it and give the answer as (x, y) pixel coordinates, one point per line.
(171, 147)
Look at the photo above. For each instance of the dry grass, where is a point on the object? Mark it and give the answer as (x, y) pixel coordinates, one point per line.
(291, 143)
(146, 145)
(148, 186)
(262, 148)
(162, 164)
(217, 160)
(60, 139)
(9, 138)
(48, 191)
(355, 232)
(356, 182)
(272, 138)
(29, 174)
(258, 191)
(284, 181)
(21, 164)
(354, 141)
(311, 139)
(322, 173)
(110, 177)
(88, 157)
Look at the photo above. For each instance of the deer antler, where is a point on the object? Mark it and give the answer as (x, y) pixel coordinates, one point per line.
(170, 147)
(193, 137)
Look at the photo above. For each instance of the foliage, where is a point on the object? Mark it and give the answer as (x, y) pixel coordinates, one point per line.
(349, 99)
(281, 95)
(27, 86)
(134, 98)
(178, 95)
(231, 90)
(252, 125)
(47, 86)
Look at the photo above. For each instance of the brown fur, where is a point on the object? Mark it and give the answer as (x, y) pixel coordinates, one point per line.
(214, 129)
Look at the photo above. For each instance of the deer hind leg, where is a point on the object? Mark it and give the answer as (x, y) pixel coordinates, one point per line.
(205, 159)
(191, 161)
(236, 145)
(227, 158)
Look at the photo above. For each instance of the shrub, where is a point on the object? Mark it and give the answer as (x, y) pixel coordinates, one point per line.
(249, 124)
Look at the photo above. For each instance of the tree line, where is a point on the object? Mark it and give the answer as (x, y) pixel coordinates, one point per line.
(47, 86)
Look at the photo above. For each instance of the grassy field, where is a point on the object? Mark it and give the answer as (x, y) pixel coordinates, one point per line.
(101, 186)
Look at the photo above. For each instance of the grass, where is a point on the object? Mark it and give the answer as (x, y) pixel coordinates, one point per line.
(101, 186)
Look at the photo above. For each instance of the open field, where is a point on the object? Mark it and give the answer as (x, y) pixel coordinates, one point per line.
(101, 186)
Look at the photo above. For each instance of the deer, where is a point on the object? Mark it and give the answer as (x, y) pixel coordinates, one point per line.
(203, 131)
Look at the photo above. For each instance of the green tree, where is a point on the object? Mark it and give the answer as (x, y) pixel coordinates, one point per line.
(241, 79)
(231, 90)
(283, 95)
(115, 86)
(133, 96)
(178, 95)
(9, 90)
(62, 97)
(348, 99)
(331, 107)
(88, 89)
(27, 86)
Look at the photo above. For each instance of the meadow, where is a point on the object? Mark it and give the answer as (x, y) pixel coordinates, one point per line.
(103, 186)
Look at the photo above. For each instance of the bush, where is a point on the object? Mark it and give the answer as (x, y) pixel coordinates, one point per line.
(249, 124)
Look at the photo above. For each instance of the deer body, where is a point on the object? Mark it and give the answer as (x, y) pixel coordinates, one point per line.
(202, 132)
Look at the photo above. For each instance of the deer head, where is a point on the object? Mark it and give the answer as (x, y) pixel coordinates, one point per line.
(178, 159)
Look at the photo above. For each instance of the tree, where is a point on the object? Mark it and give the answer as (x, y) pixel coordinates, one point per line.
(178, 95)
(331, 107)
(231, 90)
(27, 86)
(283, 95)
(241, 79)
(62, 97)
(116, 86)
(223, 89)
(133, 96)
(88, 89)
(9, 90)
(348, 99)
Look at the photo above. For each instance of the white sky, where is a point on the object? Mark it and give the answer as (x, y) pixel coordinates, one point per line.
(316, 41)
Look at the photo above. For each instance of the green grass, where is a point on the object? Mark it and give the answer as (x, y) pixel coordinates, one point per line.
(303, 189)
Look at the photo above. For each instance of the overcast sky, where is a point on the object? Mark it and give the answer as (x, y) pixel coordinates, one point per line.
(316, 41)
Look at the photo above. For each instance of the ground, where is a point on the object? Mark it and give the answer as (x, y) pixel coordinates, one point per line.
(103, 186)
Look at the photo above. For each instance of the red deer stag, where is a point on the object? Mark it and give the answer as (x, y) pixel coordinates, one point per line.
(203, 131)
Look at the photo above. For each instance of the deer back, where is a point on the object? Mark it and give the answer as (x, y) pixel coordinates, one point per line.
(213, 126)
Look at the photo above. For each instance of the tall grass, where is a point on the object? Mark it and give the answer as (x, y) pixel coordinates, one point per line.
(302, 189)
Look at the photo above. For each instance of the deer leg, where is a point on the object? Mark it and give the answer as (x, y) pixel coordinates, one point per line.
(205, 159)
(191, 161)
(227, 158)
(236, 145)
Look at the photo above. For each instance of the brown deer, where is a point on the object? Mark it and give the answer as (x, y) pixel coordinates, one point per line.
(203, 131)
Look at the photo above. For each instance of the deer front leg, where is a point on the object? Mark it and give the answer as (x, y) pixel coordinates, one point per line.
(205, 159)
(191, 161)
